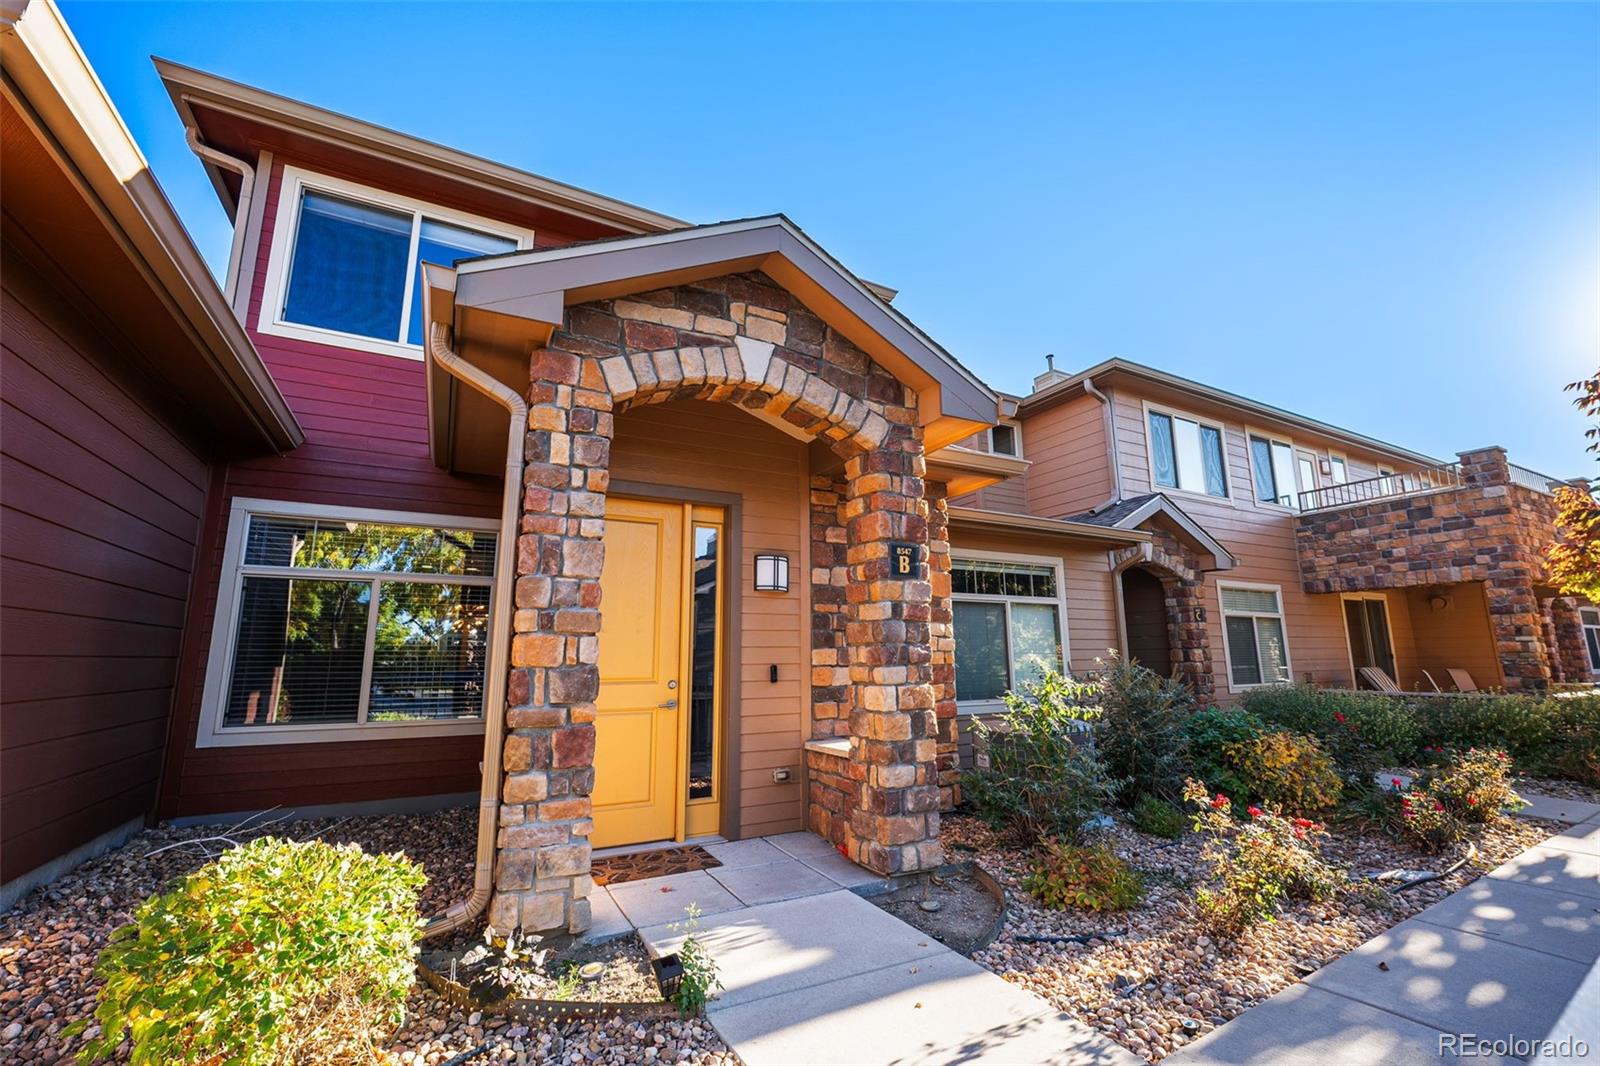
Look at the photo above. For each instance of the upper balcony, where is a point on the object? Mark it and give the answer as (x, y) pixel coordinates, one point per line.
(1420, 481)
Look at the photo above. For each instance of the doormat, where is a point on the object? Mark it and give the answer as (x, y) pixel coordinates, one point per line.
(658, 863)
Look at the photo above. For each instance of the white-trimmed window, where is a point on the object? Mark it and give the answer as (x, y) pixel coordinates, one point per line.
(1010, 623)
(342, 623)
(1253, 636)
(1006, 439)
(345, 262)
(1186, 453)
(1338, 468)
(1591, 635)
(1272, 461)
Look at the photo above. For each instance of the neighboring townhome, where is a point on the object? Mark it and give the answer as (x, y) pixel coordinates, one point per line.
(1285, 549)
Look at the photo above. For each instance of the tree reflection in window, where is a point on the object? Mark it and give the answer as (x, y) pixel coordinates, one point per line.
(703, 681)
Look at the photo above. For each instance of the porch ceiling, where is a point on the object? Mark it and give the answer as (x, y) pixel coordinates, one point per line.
(502, 306)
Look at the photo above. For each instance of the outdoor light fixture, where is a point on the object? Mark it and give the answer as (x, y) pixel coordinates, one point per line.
(772, 573)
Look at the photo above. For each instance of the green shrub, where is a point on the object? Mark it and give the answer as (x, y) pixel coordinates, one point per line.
(1426, 821)
(1289, 770)
(1066, 875)
(1139, 734)
(1042, 777)
(1553, 736)
(1363, 732)
(1210, 732)
(276, 952)
(1159, 818)
(1474, 786)
(1255, 864)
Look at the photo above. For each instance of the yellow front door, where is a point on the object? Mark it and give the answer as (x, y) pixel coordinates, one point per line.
(637, 754)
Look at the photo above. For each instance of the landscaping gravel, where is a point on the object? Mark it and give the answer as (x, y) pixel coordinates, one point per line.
(1140, 987)
(50, 940)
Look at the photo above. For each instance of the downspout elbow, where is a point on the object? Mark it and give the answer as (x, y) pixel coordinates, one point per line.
(241, 214)
(464, 911)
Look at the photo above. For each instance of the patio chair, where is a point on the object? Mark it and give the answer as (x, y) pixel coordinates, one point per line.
(1379, 679)
(1432, 682)
(1462, 679)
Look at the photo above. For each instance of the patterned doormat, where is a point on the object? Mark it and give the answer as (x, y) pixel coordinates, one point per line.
(658, 863)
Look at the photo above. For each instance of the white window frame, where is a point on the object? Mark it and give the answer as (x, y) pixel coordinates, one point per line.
(1338, 460)
(1294, 469)
(1150, 452)
(1585, 626)
(225, 628)
(1060, 601)
(281, 257)
(1283, 620)
(1016, 435)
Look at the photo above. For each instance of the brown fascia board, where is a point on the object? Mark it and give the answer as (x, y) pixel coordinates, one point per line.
(514, 281)
(188, 86)
(56, 90)
(968, 517)
(1063, 390)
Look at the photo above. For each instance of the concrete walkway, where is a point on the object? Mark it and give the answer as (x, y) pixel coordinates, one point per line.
(813, 973)
(1512, 955)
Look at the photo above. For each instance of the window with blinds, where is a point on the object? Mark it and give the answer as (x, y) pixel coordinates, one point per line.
(1254, 636)
(344, 623)
(1008, 625)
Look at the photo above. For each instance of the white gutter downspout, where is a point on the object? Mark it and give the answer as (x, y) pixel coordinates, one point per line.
(505, 565)
(241, 214)
(1111, 444)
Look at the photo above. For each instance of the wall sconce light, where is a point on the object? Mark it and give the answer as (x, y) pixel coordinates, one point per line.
(772, 573)
(1200, 615)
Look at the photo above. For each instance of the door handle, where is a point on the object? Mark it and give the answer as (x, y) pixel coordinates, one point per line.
(670, 703)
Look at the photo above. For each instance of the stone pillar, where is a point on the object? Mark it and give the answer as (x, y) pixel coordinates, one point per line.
(542, 870)
(1569, 653)
(1190, 638)
(942, 645)
(893, 727)
(831, 695)
(1485, 466)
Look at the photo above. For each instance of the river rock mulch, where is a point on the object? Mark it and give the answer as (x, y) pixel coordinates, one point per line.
(50, 940)
(1139, 988)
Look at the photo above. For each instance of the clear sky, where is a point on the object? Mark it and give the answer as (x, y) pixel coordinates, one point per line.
(1386, 216)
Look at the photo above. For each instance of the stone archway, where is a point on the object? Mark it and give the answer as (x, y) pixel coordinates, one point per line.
(1183, 588)
(742, 340)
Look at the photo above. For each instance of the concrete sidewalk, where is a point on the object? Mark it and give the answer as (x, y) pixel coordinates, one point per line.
(1509, 956)
(812, 973)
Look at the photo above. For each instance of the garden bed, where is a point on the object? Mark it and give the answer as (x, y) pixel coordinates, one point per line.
(1141, 974)
(50, 940)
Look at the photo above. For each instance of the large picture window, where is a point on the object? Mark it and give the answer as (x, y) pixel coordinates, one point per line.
(1009, 624)
(1253, 635)
(331, 623)
(1187, 454)
(346, 261)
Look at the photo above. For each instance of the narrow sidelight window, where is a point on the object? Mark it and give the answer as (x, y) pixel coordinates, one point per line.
(703, 682)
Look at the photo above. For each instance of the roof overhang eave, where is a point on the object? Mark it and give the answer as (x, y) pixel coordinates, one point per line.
(1004, 521)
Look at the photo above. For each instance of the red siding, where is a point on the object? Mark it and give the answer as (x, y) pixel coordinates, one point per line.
(365, 419)
(100, 514)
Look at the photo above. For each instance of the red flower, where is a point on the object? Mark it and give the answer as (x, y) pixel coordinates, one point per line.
(1472, 801)
(1302, 823)
(1219, 801)
(844, 851)
(1254, 812)
(1338, 716)
(1395, 781)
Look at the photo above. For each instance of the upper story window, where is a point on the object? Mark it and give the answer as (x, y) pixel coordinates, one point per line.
(1338, 468)
(1273, 463)
(1187, 454)
(345, 264)
(336, 623)
(1006, 439)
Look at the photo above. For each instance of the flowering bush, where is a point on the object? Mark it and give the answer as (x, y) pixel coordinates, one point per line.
(1475, 786)
(1065, 875)
(277, 952)
(1426, 821)
(1362, 731)
(1287, 769)
(1256, 863)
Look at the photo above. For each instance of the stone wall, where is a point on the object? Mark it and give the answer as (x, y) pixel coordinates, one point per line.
(1488, 530)
(743, 340)
(833, 784)
(1183, 582)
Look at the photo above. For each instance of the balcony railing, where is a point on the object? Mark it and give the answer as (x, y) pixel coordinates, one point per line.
(1384, 487)
(1532, 479)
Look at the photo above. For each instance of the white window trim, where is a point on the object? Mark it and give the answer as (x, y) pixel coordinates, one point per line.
(287, 222)
(1016, 435)
(1585, 625)
(1339, 457)
(225, 626)
(1150, 452)
(989, 706)
(1283, 619)
(1294, 457)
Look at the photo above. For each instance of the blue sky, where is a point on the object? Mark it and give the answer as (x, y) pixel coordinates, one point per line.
(1386, 216)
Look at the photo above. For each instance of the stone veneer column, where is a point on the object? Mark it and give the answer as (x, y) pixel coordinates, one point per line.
(893, 728)
(1571, 654)
(942, 645)
(542, 872)
(1514, 613)
(831, 695)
